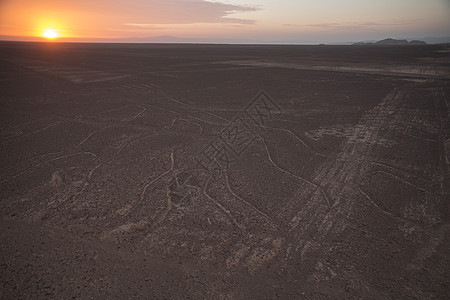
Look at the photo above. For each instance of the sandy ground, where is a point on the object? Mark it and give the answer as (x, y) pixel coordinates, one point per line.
(211, 171)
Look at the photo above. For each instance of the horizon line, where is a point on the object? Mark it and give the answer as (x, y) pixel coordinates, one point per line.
(182, 40)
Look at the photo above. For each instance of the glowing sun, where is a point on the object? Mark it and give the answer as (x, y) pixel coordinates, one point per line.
(50, 34)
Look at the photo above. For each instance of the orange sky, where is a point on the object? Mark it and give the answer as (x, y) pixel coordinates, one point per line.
(292, 21)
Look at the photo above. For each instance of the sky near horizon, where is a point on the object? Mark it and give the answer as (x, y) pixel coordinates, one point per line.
(269, 21)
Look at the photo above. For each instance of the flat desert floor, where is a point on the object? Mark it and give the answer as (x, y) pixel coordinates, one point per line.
(224, 171)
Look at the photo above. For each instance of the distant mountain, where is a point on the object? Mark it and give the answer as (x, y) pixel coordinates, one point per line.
(392, 42)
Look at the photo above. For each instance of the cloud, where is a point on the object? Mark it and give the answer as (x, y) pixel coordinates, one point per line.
(348, 25)
(200, 11)
(150, 12)
(396, 23)
(320, 25)
(325, 25)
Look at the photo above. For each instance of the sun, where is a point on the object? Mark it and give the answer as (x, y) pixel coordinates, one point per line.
(50, 34)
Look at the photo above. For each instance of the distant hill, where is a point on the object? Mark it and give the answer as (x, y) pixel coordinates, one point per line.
(393, 42)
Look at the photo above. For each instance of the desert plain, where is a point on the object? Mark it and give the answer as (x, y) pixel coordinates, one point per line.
(182, 171)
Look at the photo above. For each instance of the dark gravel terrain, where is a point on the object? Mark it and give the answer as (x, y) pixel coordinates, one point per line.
(224, 171)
